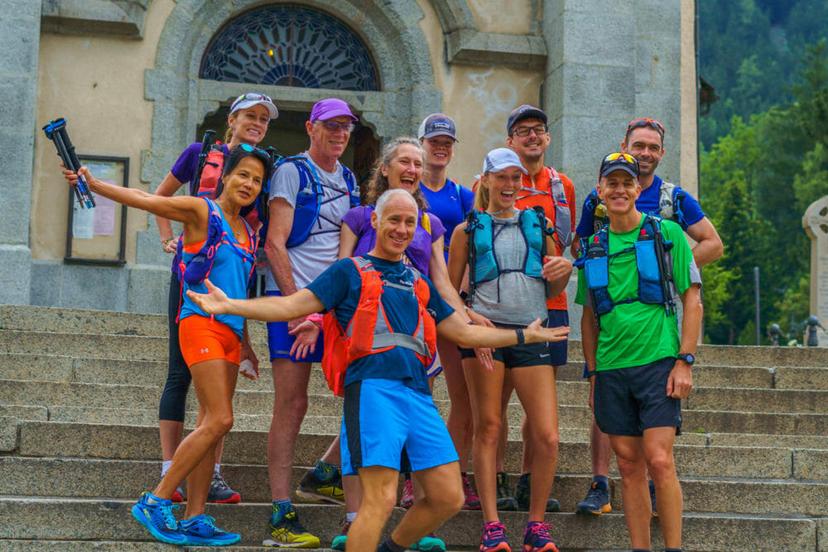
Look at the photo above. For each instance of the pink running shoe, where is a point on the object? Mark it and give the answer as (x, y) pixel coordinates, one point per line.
(407, 499)
(494, 538)
(472, 500)
(536, 538)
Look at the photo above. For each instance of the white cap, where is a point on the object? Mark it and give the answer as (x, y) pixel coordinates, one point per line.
(248, 100)
(502, 158)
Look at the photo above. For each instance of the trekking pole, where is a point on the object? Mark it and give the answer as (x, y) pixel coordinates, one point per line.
(666, 270)
(56, 132)
(206, 144)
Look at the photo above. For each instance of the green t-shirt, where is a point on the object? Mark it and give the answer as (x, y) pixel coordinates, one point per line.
(635, 334)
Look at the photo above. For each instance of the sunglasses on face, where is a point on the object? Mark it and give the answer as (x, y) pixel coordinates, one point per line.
(524, 131)
(334, 126)
(642, 122)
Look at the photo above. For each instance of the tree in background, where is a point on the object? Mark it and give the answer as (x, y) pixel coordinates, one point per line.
(757, 181)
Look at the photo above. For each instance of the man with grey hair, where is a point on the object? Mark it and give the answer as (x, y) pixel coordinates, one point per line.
(383, 317)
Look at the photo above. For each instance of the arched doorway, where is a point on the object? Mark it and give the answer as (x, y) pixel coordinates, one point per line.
(293, 46)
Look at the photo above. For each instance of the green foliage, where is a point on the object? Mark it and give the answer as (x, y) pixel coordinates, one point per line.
(758, 179)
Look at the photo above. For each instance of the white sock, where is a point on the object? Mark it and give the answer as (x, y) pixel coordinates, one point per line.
(165, 467)
(350, 517)
(216, 469)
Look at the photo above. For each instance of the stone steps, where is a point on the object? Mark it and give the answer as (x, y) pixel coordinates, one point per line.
(84, 369)
(109, 520)
(79, 441)
(126, 479)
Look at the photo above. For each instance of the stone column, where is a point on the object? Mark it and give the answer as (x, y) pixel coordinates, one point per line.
(19, 42)
(815, 222)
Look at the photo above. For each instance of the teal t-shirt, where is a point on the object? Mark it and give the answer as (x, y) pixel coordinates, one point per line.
(635, 334)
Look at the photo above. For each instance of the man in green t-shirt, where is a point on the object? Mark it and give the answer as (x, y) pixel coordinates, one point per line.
(631, 342)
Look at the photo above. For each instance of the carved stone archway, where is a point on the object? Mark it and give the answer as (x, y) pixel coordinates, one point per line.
(390, 29)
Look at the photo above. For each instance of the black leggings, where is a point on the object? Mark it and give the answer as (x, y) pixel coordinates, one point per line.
(174, 396)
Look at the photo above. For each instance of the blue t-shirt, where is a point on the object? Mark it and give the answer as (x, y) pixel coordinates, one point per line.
(338, 288)
(450, 204)
(648, 202)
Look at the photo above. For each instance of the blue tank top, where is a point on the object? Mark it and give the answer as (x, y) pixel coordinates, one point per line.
(451, 204)
(231, 272)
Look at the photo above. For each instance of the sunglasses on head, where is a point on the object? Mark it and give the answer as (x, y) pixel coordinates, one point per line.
(250, 97)
(642, 122)
(619, 156)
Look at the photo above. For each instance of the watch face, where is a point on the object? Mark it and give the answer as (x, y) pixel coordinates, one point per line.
(688, 358)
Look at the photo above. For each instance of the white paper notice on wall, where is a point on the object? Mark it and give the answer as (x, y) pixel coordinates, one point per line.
(83, 221)
(104, 216)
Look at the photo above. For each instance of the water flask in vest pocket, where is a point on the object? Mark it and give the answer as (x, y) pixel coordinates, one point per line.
(597, 275)
(649, 277)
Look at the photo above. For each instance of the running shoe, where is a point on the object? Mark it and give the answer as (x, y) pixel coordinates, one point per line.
(472, 501)
(651, 484)
(505, 500)
(429, 543)
(323, 483)
(407, 498)
(523, 494)
(287, 532)
(179, 495)
(156, 515)
(221, 493)
(338, 542)
(494, 538)
(536, 538)
(201, 530)
(597, 500)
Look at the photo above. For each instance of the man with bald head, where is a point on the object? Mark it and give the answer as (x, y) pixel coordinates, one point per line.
(384, 317)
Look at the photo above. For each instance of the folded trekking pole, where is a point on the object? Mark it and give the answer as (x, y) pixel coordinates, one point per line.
(56, 132)
(206, 144)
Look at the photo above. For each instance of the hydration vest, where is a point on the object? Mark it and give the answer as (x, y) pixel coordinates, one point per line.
(652, 260)
(563, 216)
(369, 332)
(198, 268)
(311, 197)
(670, 198)
(483, 266)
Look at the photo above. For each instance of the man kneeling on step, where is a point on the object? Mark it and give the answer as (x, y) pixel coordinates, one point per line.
(390, 420)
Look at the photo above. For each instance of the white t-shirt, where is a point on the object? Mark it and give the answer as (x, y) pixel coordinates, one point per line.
(321, 249)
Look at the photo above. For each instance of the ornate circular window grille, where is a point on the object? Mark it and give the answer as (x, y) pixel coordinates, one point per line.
(288, 45)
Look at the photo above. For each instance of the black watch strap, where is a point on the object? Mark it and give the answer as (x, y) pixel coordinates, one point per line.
(521, 339)
(689, 358)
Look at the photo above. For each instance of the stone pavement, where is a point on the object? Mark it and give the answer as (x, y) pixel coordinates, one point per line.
(78, 443)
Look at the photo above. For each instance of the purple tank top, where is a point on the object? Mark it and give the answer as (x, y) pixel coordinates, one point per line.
(418, 253)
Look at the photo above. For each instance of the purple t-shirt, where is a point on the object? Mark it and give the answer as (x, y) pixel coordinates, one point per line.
(185, 166)
(418, 253)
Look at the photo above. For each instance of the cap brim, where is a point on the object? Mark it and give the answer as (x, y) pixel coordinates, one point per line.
(247, 104)
(333, 114)
(621, 167)
(530, 114)
(498, 168)
(439, 133)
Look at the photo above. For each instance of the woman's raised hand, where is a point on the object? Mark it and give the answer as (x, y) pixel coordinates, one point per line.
(536, 333)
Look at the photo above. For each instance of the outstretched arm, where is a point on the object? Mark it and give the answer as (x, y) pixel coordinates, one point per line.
(269, 309)
(455, 329)
(191, 211)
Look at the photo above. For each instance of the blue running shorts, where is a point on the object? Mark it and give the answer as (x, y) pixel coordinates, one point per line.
(391, 425)
(280, 341)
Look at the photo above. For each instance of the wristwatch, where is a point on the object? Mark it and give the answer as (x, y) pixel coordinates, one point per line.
(689, 358)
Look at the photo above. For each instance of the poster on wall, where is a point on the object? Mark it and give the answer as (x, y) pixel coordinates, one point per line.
(98, 235)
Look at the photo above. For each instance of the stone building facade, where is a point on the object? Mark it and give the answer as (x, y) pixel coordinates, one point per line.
(129, 76)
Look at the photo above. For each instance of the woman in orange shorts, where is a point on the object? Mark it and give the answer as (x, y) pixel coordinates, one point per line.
(212, 346)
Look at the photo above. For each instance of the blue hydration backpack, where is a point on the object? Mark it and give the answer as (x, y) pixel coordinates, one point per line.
(311, 196)
(652, 260)
(198, 268)
(483, 265)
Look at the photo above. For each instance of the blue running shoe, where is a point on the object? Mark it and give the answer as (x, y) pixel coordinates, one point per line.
(429, 543)
(201, 530)
(156, 514)
(597, 500)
